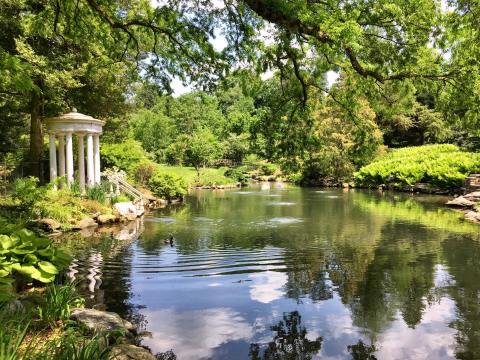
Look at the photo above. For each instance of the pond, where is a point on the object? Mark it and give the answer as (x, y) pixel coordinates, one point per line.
(301, 273)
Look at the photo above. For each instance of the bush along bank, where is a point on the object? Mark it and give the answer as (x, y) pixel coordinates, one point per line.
(48, 209)
(429, 168)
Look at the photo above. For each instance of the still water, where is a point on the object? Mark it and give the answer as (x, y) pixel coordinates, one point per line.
(289, 273)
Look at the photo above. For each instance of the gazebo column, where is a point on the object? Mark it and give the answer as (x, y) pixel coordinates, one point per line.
(81, 163)
(96, 156)
(61, 155)
(69, 162)
(53, 159)
(90, 169)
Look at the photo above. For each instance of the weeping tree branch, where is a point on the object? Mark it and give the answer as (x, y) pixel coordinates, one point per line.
(268, 10)
(126, 27)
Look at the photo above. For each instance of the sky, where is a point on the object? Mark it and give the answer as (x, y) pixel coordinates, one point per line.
(219, 43)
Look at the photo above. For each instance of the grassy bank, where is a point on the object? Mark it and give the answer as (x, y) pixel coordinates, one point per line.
(443, 167)
(208, 176)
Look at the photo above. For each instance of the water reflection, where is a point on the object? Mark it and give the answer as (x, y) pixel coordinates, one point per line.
(195, 334)
(370, 274)
(289, 342)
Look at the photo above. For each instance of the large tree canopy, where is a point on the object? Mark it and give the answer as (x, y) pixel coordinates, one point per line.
(56, 54)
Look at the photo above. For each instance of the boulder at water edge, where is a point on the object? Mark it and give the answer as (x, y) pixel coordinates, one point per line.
(106, 219)
(48, 225)
(461, 202)
(100, 321)
(127, 210)
(130, 352)
(85, 223)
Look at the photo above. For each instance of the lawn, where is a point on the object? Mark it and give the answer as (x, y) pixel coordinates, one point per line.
(208, 176)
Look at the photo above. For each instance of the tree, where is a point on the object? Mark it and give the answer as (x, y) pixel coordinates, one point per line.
(203, 148)
(50, 50)
(154, 130)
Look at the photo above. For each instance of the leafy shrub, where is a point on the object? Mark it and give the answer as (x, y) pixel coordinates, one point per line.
(61, 205)
(268, 169)
(124, 156)
(144, 171)
(237, 175)
(26, 191)
(120, 198)
(167, 186)
(97, 193)
(260, 167)
(444, 166)
(25, 256)
(175, 153)
(57, 304)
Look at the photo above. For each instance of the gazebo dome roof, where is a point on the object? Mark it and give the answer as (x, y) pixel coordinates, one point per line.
(74, 122)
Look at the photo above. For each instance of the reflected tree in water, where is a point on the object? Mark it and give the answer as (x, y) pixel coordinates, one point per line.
(399, 278)
(289, 342)
(361, 351)
(306, 276)
(462, 256)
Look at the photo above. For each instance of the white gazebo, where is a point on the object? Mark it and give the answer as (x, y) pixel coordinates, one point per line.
(62, 128)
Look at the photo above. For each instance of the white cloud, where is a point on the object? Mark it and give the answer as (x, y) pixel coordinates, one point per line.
(267, 286)
(194, 334)
(431, 339)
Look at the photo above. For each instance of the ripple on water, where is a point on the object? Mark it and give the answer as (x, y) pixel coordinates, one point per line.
(281, 203)
(160, 219)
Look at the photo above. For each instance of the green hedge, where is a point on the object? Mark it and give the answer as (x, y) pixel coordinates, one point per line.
(167, 186)
(444, 166)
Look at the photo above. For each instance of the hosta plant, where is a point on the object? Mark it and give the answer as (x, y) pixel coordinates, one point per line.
(26, 257)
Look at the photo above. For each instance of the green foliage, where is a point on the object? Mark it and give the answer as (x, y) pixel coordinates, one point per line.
(237, 174)
(98, 192)
(25, 256)
(236, 147)
(211, 178)
(15, 324)
(153, 130)
(144, 171)
(268, 169)
(167, 186)
(442, 166)
(120, 198)
(175, 152)
(203, 148)
(125, 156)
(76, 347)
(57, 303)
(191, 178)
(27, 192)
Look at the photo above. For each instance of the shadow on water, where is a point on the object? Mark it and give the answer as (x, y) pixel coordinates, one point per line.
(370, 273)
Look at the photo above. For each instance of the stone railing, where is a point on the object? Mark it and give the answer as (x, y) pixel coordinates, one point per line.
(119, 182)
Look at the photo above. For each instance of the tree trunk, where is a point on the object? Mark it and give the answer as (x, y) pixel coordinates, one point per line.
(36, 136)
